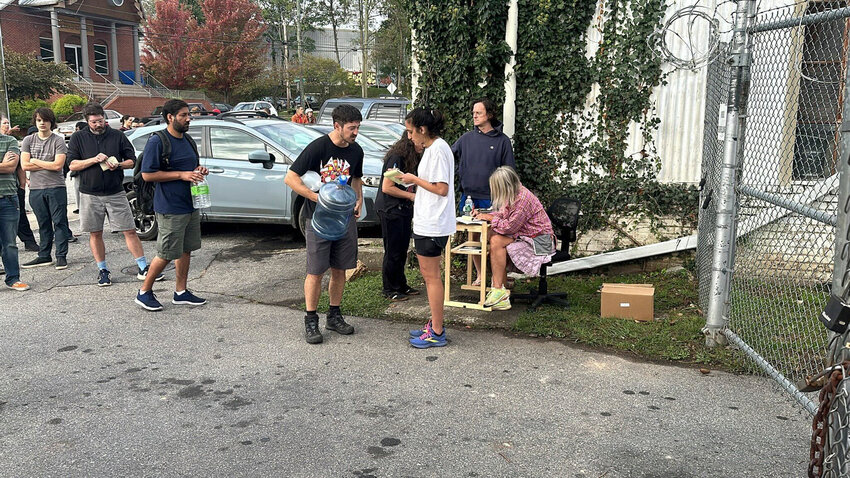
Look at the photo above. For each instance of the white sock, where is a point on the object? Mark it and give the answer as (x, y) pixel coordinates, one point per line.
(180, 292)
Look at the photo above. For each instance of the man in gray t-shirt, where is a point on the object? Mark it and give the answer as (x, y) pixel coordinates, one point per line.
(43, 156)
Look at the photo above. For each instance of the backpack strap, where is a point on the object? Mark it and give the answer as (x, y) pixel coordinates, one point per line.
(165, 155)
(194, 148)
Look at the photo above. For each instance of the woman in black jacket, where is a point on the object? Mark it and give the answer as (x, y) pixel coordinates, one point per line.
(394, 204)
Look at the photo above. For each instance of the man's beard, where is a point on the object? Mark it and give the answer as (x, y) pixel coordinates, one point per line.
(180, 127)
(98, 129)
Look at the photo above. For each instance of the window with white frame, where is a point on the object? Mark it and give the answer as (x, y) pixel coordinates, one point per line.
(101, 59)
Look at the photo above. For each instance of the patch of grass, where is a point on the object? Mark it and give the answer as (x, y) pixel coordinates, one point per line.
(675, 335)
(363, 298)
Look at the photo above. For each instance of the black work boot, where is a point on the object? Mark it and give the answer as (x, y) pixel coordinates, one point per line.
(311, 329)
(336, 323)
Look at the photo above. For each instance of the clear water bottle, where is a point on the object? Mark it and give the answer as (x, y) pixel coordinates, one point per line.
(468, 206)
(201, 194)
(334, 210)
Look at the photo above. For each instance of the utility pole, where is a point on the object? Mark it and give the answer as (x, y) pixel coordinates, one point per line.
(364, 64)
(285, 42)
(5, 90)
(300, 62)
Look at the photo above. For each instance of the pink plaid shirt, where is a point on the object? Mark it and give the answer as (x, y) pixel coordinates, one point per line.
(525, 218)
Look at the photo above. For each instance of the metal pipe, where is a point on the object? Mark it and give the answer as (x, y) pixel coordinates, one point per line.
(783, 202)
(786, 384)
(722, 258)
(509, 108)
(820, 17)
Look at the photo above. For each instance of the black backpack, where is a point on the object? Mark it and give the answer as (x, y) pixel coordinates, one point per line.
(145, 190)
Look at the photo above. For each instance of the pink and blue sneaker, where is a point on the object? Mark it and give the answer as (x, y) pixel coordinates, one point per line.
(429, 339)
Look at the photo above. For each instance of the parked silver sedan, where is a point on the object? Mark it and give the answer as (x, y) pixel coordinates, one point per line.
(248, 158)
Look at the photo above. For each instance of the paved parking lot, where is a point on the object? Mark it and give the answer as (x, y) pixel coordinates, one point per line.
(93, 386)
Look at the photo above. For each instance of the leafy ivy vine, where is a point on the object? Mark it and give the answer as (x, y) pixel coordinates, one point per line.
(560, 146)
(461, 51)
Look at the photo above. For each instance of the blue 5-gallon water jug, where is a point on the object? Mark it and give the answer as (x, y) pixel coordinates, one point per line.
(334, 209)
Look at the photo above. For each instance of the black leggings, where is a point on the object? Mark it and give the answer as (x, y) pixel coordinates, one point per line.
(396, 231)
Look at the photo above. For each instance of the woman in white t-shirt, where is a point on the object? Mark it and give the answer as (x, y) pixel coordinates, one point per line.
(433, 215)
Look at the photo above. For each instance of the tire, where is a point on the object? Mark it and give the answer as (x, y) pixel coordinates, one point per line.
(146, 226)
(302, 220)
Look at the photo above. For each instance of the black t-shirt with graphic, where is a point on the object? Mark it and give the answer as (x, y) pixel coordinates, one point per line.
(330, 161)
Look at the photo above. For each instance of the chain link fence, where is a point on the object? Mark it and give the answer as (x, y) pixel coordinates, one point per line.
(767, 253)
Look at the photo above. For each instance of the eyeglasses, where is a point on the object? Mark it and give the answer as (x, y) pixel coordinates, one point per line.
(97, 121)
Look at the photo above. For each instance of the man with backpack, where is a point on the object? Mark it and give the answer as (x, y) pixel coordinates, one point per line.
(100, 155)
(171, 161)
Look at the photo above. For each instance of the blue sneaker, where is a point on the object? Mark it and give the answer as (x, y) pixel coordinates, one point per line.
(143, 274)
(187, 298)
(103, 279)
(429, 339)
(418, 332)
(148, 301)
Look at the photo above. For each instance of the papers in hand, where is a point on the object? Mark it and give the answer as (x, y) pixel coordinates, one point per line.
(110, 161)
(394, 175)
(469, 220)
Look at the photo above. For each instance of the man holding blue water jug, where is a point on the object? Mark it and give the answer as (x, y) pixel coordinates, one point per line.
(179, 222)
(335, 157)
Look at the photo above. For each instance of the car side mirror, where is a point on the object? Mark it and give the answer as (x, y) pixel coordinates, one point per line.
(260, 156)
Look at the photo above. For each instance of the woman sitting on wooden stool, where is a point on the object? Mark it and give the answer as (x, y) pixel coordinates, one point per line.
(520, 233)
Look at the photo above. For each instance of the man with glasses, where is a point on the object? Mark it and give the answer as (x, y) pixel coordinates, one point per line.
(100, 155)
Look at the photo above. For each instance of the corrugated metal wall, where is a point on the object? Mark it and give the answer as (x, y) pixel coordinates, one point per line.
(680, 104)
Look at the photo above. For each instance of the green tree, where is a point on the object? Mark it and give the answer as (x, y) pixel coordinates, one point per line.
(392, 42)
(29, 78)
(323, 72)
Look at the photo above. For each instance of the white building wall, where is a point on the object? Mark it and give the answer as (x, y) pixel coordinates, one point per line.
(348, 40)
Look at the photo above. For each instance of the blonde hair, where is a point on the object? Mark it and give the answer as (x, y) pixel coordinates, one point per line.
(504, 187)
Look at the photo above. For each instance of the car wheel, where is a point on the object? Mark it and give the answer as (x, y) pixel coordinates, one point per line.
(146, 226)
(302, 220)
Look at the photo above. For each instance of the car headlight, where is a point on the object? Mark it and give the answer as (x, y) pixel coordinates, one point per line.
(66, 129)
(373, 181)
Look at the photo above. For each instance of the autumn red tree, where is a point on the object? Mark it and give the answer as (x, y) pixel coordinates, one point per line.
(230, 49)
(168, 43)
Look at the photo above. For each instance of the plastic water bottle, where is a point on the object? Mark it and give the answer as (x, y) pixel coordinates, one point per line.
(201, 194)
(468, 206)
(334, 210)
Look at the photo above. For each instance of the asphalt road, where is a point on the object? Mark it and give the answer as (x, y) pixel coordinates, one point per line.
(93, 386)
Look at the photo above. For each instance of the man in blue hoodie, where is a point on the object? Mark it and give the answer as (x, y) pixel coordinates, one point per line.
(479, 152)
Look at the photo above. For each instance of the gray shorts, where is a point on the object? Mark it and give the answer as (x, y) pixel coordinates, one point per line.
(178, 234)
(323, 254)
(94, 209)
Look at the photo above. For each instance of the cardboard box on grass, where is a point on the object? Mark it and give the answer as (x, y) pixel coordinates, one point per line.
(628, 301)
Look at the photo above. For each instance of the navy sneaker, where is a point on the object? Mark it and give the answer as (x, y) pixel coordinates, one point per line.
(143, 274)
(103, 279)
(429, 339)
(148, 301)
(187, 298)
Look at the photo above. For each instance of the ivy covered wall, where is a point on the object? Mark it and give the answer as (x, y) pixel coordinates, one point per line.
(564, 143)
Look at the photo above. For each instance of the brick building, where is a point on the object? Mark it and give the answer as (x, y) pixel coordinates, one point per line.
(98, 39)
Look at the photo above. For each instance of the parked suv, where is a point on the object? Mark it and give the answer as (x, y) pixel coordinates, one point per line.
(248, 155)
(382, 109)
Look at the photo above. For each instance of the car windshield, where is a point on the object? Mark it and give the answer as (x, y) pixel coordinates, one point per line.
(379, 134)
(397, 127)
(368, 144)
(290, 137)
(244, 106)
(74, 117)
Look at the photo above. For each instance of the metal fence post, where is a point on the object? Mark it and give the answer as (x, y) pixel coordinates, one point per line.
(840, 272)
(727, 202)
